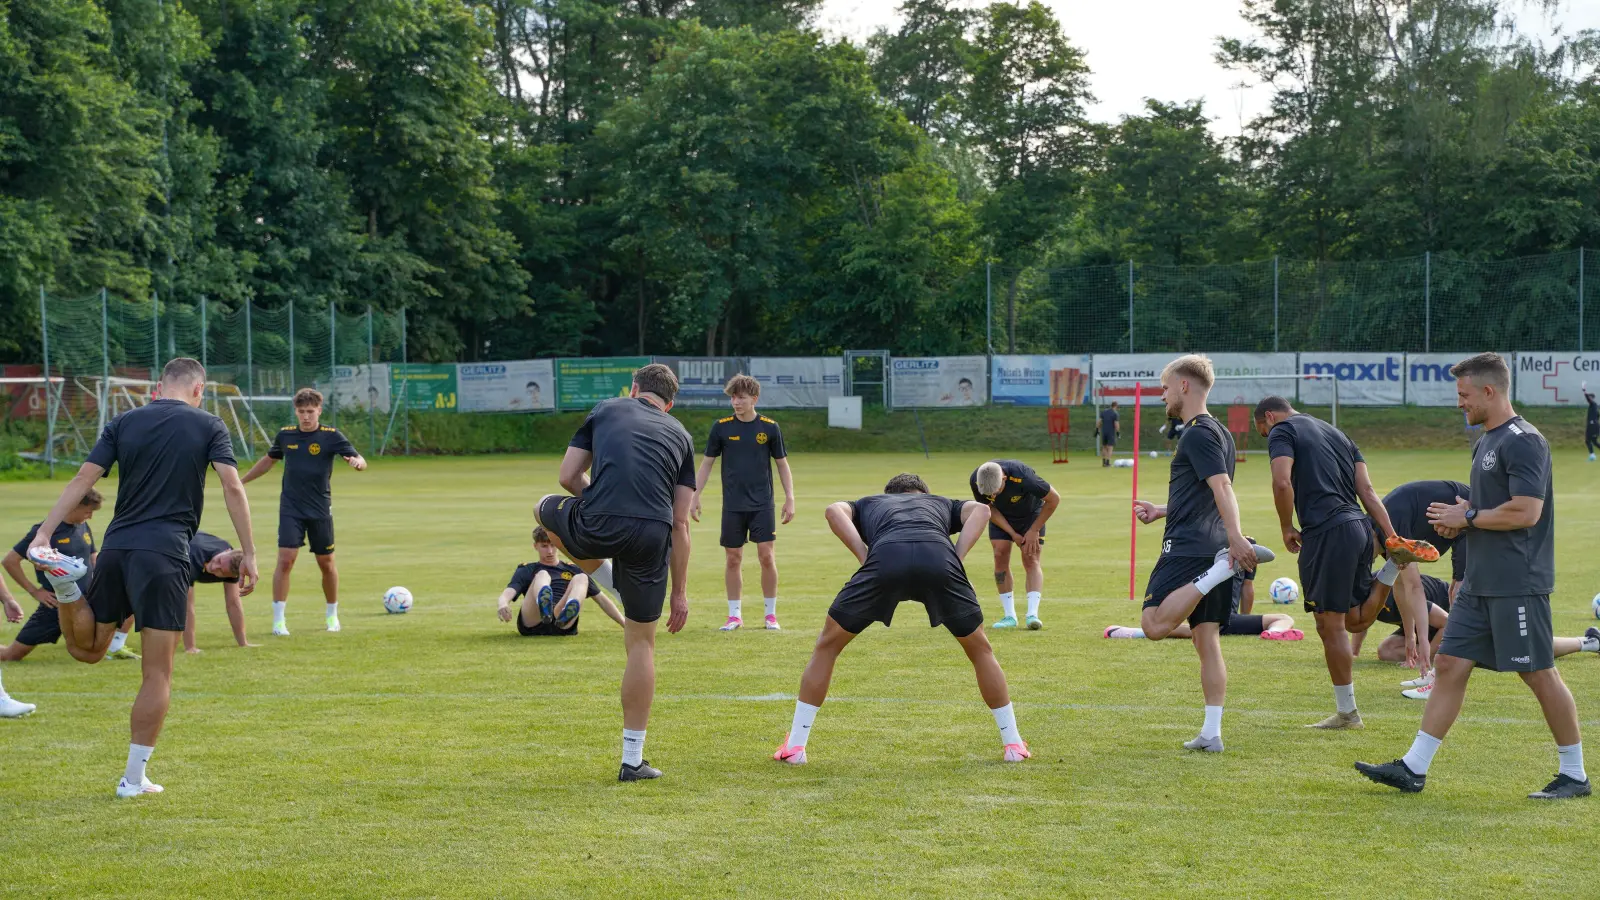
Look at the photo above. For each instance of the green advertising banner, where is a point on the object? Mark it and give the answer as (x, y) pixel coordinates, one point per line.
(581, 383)
(424, 385)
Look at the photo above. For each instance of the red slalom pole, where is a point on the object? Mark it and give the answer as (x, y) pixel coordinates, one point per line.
(1133, 519)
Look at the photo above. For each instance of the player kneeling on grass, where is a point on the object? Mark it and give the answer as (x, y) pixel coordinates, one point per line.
(1020, 503)
(547, 614)
(902, 540)
(214, 561)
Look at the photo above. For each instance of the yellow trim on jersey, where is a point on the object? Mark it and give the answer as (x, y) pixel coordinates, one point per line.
(766, 420)
(725, 421)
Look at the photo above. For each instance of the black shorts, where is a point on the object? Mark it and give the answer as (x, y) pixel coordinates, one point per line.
(1108, 443)
(294, 531)
(43, 627)
(1173, 572)
(760, 525)
(1238, 624)
(1506, 634)
(152, 587)
(996, 533)
(928, 572)
(543, 629)
(1435, 593)
(1336, 567)
(639, 549)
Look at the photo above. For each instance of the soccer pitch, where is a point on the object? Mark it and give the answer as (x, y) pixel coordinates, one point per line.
(437, 754)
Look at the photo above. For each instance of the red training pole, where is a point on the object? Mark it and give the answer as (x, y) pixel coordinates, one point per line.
(1133, 523)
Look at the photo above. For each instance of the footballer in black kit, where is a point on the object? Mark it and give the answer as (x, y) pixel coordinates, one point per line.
(161, 451)
(630, 473)
(1591, 423)
(305, 506)
(555, 591)
(901, 538)
(1194, 531)
(1108, 429)
(73, 537)
(215, 561)
(1020, 504)
(1320, 478)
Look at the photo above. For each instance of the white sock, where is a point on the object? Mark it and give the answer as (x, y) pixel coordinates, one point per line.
(138, 755)
(1420, 756)
(1572, 761)
(1344, 697)
(3, 694)
(772, 605)
(1008, 603)
(1006, 718)
(1589, 644)
(603, 575)
(1220, 571)
(1213, 725)
(632, 747)
(1033, 603)
(733, 609)
(278, 606)
(117, 640)
(800, 728)
(333, 608)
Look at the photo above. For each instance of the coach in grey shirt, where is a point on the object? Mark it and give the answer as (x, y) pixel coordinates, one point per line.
(1501, 616)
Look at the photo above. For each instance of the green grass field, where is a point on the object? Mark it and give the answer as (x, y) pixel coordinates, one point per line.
(437, 754)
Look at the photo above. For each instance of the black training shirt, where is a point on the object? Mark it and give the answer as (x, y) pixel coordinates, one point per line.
(1324, 471)
(1108, 424)
(560, 574)
(747, 450)
(161, 451)
(1594, 411)
(895, 518)
(1194, 526)
(307, 469)
(69, 540)
(1511, 461)
(1022, 493)
(201, 548)
(641, 455)
(1407, 506)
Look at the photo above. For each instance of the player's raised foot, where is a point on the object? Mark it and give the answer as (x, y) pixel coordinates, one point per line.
(547, 602)
(772, 624)
(1419, 681)
(122, 653)
(794, 756)
(569, 614)
(1591, 640)
(1034, 624)
(280, 628)
(126, 789)
(1205, 744)
(1350, 720)
(1005, 622)
(642, 772)
(1395, 775)
(734, 623)
(1411, 550)
(333, 622)
(57, 565)
(14, 709)
(1565, 787)
(1123, 631)
(1417, 693)
(1288, 634)
(1263, 554)
(1016, 752)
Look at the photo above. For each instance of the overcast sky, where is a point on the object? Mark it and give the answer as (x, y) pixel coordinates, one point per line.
(1160, 48)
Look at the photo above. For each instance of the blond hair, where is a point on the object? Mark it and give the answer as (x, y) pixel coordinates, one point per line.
(743, 385)
(1195, 367)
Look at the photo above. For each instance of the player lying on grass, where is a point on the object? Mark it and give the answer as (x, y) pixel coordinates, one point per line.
(546, 614)
(1268, 626)
(901, 538)
(1020, 503)
(72, 538)
(214, 561)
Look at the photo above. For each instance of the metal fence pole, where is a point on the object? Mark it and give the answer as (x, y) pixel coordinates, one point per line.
(155, 334)
(1130, 306)
(1580, 299)
(988, 305)
(372, 426)
(105, 364)
(291, 348)
(49, 400)
(249, 354)
(1427, 301)
(333, 355)
(203, 334)
(1274, 304)
(405, 360)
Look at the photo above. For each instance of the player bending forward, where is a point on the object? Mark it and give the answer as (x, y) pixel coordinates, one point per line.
(214, 561)
(1020, 503)
(546, 614)
(1203, 547)
(635, 512)
(901, 537)
(305, 507)
(1501, 616)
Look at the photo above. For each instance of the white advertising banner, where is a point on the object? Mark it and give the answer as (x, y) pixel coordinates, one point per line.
(939, 381)
(521, 385)
(1554, 378)
(1365, 379)
(1244, 378)
(1061, 380)
(798, 381)
(1116, 373)
(361, 387)
(1428, 378)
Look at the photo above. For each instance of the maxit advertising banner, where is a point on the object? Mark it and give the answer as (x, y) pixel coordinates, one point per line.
(1365, 379)
(1428, 378)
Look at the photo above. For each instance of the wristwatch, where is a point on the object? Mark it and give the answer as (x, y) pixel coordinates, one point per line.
(1472, 514)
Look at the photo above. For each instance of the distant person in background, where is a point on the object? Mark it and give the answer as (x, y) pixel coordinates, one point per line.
(1171, 430)
(1109, 429)
(1591, 424)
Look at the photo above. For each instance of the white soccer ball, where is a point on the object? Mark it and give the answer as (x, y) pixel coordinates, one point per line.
(1595, 606)
(397, 600)
(1284, 590)
(1122, 463)
(1153, 454)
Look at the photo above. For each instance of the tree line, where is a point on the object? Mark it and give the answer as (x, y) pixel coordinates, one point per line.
(566, 177)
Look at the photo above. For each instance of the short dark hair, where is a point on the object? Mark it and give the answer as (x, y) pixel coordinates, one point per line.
(307, 397)
(92, 499)
(1272, 403)
(657, 379)
(540, 536)
(906, 483)
(965, 381)
(1485, 368)
(530, 384)
(742, 385)
(183, 369)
